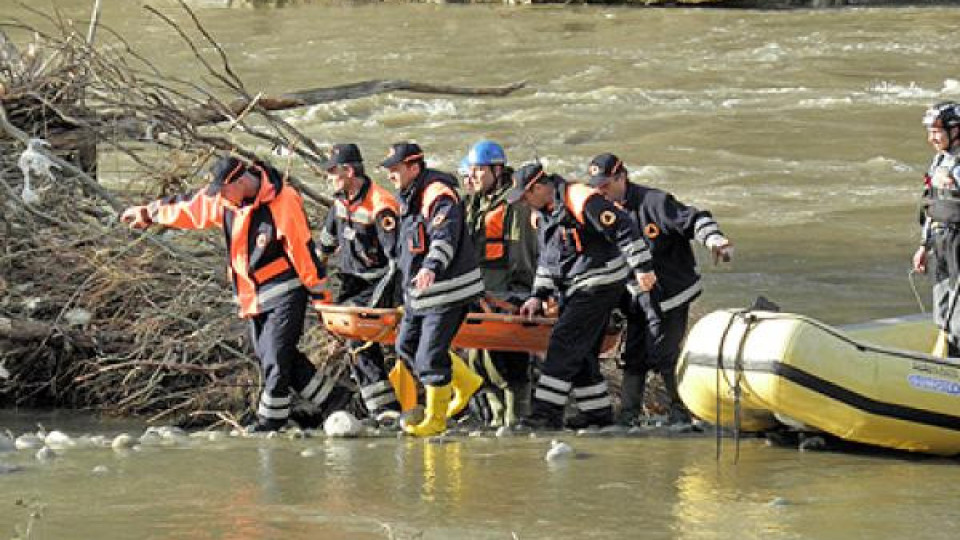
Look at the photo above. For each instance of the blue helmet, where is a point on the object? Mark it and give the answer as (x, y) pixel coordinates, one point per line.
(486, 153)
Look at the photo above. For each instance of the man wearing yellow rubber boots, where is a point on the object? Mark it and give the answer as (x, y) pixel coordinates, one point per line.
(440, 279)
(506, 248)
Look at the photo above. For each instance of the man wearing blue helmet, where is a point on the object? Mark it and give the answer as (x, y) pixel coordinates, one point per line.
(506, 248)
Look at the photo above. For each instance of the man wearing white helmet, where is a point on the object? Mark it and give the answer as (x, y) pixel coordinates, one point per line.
(940, 236)
(506, 249)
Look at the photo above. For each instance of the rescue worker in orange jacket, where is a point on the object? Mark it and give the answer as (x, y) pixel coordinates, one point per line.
(506, 249)
(588, 250)
(669, 227)
(274, 270)
(361, 229)
(440, 279)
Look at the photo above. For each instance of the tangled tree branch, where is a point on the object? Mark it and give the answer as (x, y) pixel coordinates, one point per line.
(94, 315)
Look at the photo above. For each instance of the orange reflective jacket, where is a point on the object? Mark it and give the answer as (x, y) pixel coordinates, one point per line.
(270, 250)
(495, 247)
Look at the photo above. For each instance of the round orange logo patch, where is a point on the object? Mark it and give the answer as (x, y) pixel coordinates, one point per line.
(607, 218)
(651, 231)
(388, 223)
(261, 241)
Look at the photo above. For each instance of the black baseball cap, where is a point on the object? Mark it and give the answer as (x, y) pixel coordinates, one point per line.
(223, 171)
(522, 179)
(341, 154)
(602, 167)
(400, 152)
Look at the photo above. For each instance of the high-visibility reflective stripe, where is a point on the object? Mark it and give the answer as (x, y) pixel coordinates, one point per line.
(594, 280)
(444, 246)
(594, 404)
(377, 403)
(546, 272)
(586, 391)
(273, 407)
(705, 227)
(362, 216)
(273, 413)
(554, 383)
(544, 283)
(312, 386)
(682, 297)
(384, 282)
(375, 388)
(550, 397)
(372, 275)
(441, 251)
(470, 291)
(324, 392)
(634, 261)
(703, 221)
(278, 289)
(448, 284)
(270, 401)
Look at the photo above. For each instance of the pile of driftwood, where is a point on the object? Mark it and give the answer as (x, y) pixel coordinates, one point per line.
(91, 314)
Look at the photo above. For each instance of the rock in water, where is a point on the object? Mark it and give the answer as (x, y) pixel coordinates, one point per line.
(58, 440)
(342, 424)
(28, 441)
(559, 450)
(123, 442)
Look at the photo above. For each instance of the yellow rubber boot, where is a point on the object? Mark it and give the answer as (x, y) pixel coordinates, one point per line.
(435, 414)
(465, 383)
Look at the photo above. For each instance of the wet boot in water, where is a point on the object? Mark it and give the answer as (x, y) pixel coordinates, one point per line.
(464, 382)
(435, 413)
(496, 407)
(601, 418)
(266, 425)
(631, 398)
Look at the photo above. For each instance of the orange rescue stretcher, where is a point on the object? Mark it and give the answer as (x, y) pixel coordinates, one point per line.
(487, 331)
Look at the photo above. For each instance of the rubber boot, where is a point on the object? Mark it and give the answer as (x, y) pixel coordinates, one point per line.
(677, 413)
(631, 397)
(516, 399)
(464, 381)
(435, 414)
(496, 408)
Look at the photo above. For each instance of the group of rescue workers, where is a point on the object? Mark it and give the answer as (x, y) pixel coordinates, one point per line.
(521, 241)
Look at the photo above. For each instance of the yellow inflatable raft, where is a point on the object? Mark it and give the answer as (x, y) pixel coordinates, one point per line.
(870, 383)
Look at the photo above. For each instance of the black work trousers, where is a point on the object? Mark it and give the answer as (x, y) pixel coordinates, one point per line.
(423, 341)
(285, 368)
(573, 352)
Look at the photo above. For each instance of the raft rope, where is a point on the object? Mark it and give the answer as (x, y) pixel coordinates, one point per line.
(864, 347)
(916, 293)
(720, 374)
(749, 318)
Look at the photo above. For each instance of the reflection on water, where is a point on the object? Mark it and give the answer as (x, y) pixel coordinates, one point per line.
(477, 487)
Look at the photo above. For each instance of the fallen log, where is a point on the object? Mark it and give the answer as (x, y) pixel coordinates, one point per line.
(316, 96)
